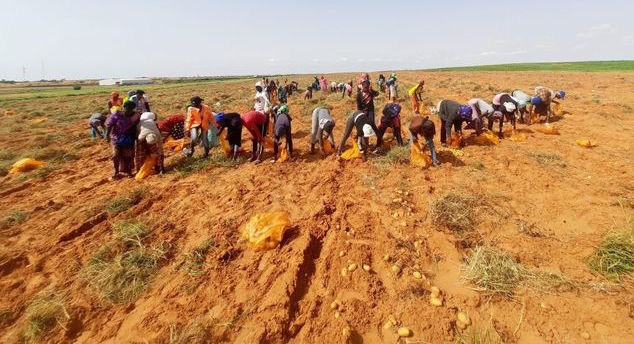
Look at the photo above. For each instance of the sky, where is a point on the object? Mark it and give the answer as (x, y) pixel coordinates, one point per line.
(75, 39)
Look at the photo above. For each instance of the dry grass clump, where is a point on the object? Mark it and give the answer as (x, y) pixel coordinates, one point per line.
(122, 269)
(46, 311)
(196, 333)
(194, 260)
(121, 204)
(13, 218)
(454, 211)
(396, 155)
(614, 257)
(494, 271)
(478, 336)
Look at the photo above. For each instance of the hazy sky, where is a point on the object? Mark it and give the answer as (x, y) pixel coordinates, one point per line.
(99, 39)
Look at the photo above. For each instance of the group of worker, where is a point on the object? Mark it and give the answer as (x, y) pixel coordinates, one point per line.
(135, 132)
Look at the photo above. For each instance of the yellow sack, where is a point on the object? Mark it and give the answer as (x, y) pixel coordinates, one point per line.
(352, 153)
(328, 149)
(26, 165)
(148, 168)
(225, 144)
(283, 155)
(265, 231)
(176, 145)
(587, 143)
(548, 129)
(418, 158)
(487, 138)
(456, 141)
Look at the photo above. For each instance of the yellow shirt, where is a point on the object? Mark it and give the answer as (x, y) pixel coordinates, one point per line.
(414, 90)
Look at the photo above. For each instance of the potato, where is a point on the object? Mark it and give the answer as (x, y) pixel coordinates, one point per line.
(396, 269)
(435, 291)
(435, 301)
(344, 272)
(404, 332)
(346, 332)
(366, 267)
(352, 267)
(337, 315)
(334, 305)
(464, 318)
(386, 257)
(417, 275)
(342, 253)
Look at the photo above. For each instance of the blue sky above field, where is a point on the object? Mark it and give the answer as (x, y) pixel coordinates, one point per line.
(99, 39)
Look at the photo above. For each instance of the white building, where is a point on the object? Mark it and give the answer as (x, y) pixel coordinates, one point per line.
(128, 81)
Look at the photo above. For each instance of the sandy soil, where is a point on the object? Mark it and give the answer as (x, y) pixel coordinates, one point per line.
(284, 295)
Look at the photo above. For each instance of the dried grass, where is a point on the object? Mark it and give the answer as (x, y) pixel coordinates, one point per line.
(46, 311)
(614, 258)
(454, 211)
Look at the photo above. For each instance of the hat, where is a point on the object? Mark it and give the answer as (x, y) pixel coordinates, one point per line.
(536, 100)
(510, 107)
(393, 75)
(196, 100)
(561, 94)
(368, 131)
(220, 117)
(465, 111)
(150, 139)
(283, 109)
(129, 105)
(148, 116)
(259, 83)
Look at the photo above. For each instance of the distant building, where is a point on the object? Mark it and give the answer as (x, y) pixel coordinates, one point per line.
(123, 82)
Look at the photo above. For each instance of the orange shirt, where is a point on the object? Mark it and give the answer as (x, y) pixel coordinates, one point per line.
(199, 117)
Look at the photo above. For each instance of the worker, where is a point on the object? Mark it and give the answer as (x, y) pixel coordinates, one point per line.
(381, 83)
(141, 100)
(416, 95)
(262, 102)
(548, 96)
(309, 93)
(98, 124)
(523, 100)
(364, 130)
(322, 122)
(392, 85)
(149, 142)
(121, 132)
(348, 91)
(323, 84)
(365, 102)
(197, 123)
(271, 91)
(480, 110)
(282, 94)
(115, 100)
(172, 126)
(233, 123)
(423, 126)
(451, 114)
(257, 124)
(282, 127)
(391, 119)
(506, 107)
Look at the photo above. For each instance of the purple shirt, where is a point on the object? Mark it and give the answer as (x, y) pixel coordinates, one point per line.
(120, 124)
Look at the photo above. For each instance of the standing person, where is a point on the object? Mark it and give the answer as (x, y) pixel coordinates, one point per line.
(256, 123)
(323, 84)
(282, 94)
(282, 128)
(365, 102)
(141, 101)
(451, 114)
(416, 95)
(479, 109)
(149, 142)
(115, 100)
(321, 122)
(423, 126)
(381, 83)
(507, 108)
(271, 91)
(98, 124)
(262, 102)
(392, 85)
(173, 126)
(121, 132)
(391, 119)
(233, 123)
(522, 100)
(360, 121)
(197, 124)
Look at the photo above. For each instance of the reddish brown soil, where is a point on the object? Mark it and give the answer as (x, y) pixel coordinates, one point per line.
(284, 295)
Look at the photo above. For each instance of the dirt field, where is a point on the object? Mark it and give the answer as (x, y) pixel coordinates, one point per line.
(545, 201)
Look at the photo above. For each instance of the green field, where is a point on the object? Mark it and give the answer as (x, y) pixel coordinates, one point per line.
(588, 66)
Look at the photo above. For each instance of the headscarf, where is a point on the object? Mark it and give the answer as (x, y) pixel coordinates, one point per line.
(561, 94)
(536, 100)
(148, 116)
(465, 111)
(509, 107)
(368, 131)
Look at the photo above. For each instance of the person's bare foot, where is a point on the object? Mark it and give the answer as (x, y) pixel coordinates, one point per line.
(115, 176)
(258, 161)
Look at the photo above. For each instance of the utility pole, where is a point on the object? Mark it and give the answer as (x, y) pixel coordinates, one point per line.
(23, 73)
(43, 74)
